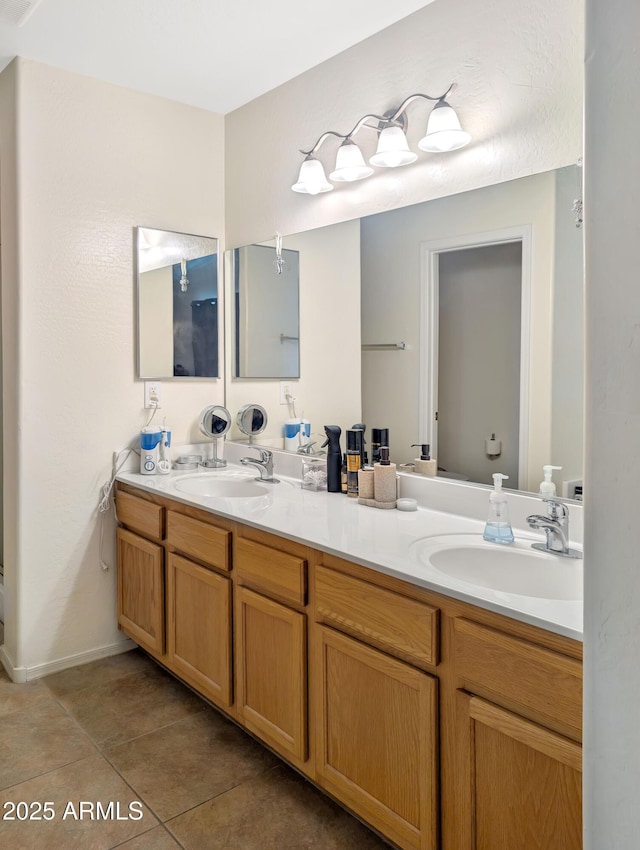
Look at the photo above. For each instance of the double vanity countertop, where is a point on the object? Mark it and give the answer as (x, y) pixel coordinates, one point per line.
(439, 546)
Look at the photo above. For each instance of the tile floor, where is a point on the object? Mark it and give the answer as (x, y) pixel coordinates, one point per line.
(122, 731)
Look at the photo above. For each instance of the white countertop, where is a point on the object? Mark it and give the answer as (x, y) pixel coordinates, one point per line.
(384, 540)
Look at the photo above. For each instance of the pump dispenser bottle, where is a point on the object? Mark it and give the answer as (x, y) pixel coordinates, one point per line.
(498, 528)
(547, 487)
(334, 457)
(425, 464)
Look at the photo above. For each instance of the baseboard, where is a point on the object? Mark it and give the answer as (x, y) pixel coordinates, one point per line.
(27, 674)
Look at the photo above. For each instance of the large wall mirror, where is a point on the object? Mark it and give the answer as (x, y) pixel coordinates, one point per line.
(178, 299)
(471, 325)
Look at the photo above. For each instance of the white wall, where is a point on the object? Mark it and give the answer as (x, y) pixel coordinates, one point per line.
(93, 161)
(391, 306)
(519, 69)
(567, 396)
(328, 390)
(612, 505)
(155, 308)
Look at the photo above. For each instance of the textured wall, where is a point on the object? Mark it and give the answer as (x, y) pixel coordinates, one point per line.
(94, 161)
(519, 69)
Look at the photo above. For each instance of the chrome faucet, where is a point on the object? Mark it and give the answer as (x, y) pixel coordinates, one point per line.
(265, 465)
(556, 527)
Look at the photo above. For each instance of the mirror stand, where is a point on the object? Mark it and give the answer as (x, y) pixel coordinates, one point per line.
(215, 462)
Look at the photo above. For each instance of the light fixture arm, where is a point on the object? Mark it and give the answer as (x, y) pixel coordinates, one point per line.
(384, 120)
(396, 115)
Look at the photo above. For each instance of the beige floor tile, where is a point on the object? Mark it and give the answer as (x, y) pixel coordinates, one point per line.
(182, 765)
(132, 705)
(38, 740)
(98, 672)
(276, 811)
(155, 839)
(91, 781)
(21, 697)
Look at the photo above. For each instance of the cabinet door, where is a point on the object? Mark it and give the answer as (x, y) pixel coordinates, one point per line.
(199, 628)
(525, 782)
(141, 590)
(271, 665)
(376, 746)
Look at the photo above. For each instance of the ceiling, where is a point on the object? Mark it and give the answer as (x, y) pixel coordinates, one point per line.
(214, 54)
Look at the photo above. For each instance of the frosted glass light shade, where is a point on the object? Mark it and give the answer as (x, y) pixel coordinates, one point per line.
(444, 132)
(350, 164)
(312, 180)
(393, 149)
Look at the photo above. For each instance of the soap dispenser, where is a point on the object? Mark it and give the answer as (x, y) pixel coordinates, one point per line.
(425, 464)
(547, 487)
(498, 528)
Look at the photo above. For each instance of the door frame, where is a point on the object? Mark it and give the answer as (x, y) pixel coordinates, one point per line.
(429, 306)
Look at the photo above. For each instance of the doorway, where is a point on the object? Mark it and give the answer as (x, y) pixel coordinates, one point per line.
(474, 363)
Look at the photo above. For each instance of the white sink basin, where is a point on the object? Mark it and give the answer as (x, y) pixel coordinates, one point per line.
(508, 568)
(226, 485)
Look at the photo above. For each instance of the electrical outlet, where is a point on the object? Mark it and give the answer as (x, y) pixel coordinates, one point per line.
(286, 392)
(152, 394)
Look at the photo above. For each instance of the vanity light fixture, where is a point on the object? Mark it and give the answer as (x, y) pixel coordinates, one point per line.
(443, 133)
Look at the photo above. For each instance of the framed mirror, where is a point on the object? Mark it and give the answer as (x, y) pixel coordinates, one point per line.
(178, 305)
(405, 257)
(265, 333)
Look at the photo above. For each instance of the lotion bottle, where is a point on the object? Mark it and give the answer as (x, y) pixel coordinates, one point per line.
(498, 528)
(547, 487)
(425, 464)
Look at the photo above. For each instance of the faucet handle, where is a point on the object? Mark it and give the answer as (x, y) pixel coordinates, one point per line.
(265, 455)
(557, 510)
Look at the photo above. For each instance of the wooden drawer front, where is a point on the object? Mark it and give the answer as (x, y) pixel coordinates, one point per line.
(402, 627)
(140, 515)
(200, 540)
(539, 679)
(271, 571)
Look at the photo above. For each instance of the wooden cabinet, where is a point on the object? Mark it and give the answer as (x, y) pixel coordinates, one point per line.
(376, 739)
(271, 672)
(441, 724)
(271, 643)
(141, 590)
(523, 783)
(517, 738)
(199, 628)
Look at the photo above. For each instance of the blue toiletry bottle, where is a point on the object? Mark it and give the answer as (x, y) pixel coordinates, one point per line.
(498, 528)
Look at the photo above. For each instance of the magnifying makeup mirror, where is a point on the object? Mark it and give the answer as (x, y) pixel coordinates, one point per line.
(215, 421)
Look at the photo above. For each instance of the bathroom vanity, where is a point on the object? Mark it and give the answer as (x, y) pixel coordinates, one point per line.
(440, 720)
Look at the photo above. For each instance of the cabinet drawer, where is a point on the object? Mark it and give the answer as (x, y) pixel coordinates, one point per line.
(140, 515)
(400, 626)
(270, 571)
(539, 679)
(202, 541)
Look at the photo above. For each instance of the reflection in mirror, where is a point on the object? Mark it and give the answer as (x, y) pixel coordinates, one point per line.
(537, 309)
(215, 421)
(266, 328)
(251, 420)
(177, 304)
